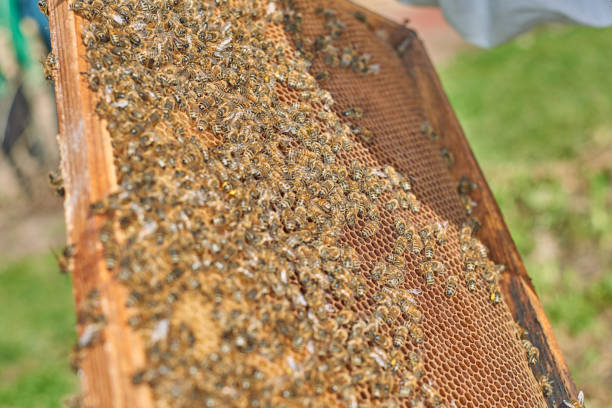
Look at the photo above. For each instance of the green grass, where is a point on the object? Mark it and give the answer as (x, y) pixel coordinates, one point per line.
(538, 114)
(536, 98)
(37, 329)
(535, 111)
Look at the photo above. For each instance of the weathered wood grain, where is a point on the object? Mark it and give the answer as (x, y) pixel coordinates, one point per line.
(88, 172)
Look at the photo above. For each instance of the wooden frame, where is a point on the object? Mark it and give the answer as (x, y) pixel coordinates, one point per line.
(89, 174)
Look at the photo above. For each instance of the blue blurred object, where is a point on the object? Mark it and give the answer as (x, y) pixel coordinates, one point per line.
(12, 12)
(29, 8)
(488, 23)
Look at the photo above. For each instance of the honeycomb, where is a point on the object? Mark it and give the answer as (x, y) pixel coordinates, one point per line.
(288, 231)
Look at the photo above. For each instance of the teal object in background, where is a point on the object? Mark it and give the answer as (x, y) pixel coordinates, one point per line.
(11, 14)
(10, 17)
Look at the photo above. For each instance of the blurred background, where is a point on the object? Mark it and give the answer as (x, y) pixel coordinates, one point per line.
(537, 112)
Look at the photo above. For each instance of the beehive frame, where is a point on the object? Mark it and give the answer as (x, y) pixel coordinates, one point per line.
(87, 166)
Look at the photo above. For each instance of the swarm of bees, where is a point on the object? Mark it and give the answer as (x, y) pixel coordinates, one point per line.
(246, 198)
(346, 57)
(477, 266)
(90, 317)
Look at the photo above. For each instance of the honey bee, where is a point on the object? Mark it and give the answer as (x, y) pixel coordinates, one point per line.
(410, 233)
(392, 204)
(413, 203)
(407, 385)
(393, 175)
(92, 334)
(50, 67)
(329, 252)
(416, 333)
(345, 317)
(416, 364)
(401, 334)
(404, 46)
(428, 251)
(393, 276)
(440, 231)
(451, 285)
(360, 16)
(428, 268)
(351, 215)
(78, 7)
(417, 244)
(470, 281)
(378, 271)
(415, 314)
(428, 130)
(357, 171)
(44, 7)
(545, 385)
(470, 266)
(372, 212)
(428, 275)
(520, 331)
(466, 233)
(417, 403)
(448, 157)
(400, 226)
(432, 395)
(322, 76)
(382, 313)
(56, 182)
(370, 229)
(365, 134)
(63, 259)
(397, 259)
(400, 245)
(578, 402)
(533, 354)
(355, 112)
(465, 187)
(350, 259)
(494, 294)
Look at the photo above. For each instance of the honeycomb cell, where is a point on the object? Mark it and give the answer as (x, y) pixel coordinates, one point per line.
(263, 310)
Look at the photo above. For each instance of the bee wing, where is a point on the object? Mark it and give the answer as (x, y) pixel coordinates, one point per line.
(379, 172)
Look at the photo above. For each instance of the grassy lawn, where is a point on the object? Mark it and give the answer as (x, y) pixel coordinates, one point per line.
(538, 114)
(36, 333)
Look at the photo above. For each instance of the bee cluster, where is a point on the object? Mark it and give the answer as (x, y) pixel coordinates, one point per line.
(465, 189)
(237, 188)
(477, 264)
(532, 354)
(92, 319)
(531, 351)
